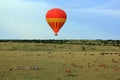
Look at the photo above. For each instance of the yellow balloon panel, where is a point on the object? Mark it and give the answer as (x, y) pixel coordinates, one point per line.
(56, 20)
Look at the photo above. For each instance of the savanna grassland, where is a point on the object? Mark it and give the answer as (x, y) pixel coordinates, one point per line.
(46, 61)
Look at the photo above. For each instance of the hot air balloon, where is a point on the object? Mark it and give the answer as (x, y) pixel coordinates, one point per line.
(56, 18)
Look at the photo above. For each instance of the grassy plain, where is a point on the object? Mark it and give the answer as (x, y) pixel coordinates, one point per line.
(37, 61)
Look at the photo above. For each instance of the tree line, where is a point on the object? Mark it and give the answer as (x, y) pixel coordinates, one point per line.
(74, 42)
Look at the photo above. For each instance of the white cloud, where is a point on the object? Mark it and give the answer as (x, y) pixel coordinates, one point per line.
(23, 18)
(108, 12)
(108, 8)
(113, 4)
(97, 11)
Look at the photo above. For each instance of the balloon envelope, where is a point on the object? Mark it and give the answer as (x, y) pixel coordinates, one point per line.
(56, 18)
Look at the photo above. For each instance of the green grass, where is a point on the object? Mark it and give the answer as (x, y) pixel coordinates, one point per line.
(58, 62)
(11, 46)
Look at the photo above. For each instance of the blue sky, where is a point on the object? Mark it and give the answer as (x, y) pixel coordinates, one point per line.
(86, 19)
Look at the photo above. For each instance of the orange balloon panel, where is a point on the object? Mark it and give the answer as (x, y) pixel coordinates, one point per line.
(56, 19)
